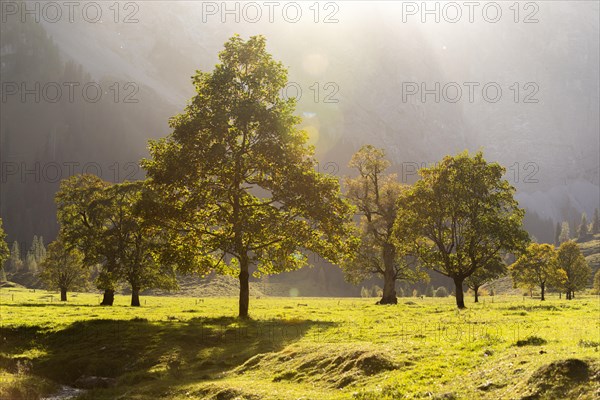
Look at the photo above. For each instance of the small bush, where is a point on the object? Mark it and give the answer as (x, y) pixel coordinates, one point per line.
(441, 292)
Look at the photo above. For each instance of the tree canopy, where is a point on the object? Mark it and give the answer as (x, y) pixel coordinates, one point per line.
(536, 266)
(64, 268)
(459, 216)
(374, 195)
(107, 223)
(487, 273)
(237, 179)
(573, 271)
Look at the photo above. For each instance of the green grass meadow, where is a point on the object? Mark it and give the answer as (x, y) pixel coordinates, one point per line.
(505, 347)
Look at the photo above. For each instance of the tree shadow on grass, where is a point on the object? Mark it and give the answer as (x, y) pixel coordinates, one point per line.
(161, 353)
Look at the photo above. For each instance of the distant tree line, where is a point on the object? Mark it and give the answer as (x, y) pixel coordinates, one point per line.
(30, 262)
(583, 231)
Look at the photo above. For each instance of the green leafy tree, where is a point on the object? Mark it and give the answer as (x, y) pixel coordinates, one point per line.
(82, 217)
(374, 195)
(535, 267)
(459, 217)
(484, 275)
(565, 233)
(596, 222)
(64, 269)
(573, 270)
(107, 222)
(237, 178)
(134, 241)
(4, 252)
(583, 227)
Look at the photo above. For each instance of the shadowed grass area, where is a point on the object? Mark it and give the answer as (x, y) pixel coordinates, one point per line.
(312, 348)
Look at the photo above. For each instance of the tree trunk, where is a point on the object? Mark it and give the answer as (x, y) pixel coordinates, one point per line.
(109, 297)
(572, 294)
(543, 287)
(244, 288)
(135, 296)
(460, 296)
(63, 294)
(389, 276)
(476, 290)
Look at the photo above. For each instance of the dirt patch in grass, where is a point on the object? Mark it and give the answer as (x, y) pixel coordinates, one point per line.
(531, 341)
(332, 366)
(565, 379)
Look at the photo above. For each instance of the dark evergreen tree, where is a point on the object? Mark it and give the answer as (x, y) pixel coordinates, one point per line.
(14, 262)
(4, 252)
(583, 227)
(596, 222)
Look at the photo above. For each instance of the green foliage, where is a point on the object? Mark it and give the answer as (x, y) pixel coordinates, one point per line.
(565, 233)
(374, 195)
(30, 263)
(582, 231)
(64, 268)
(536, 267)
(441, 292)
(459, 217)
(597, 282)
(596, 222)
(573, 271)
(488, 273)
(557, 232)
(14, 263)
(237, 180)
(38, 249)
(134, 242)
(108, 223)
(82, 216)
(4, 252)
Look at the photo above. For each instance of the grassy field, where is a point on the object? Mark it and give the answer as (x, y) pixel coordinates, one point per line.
(300, 348)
